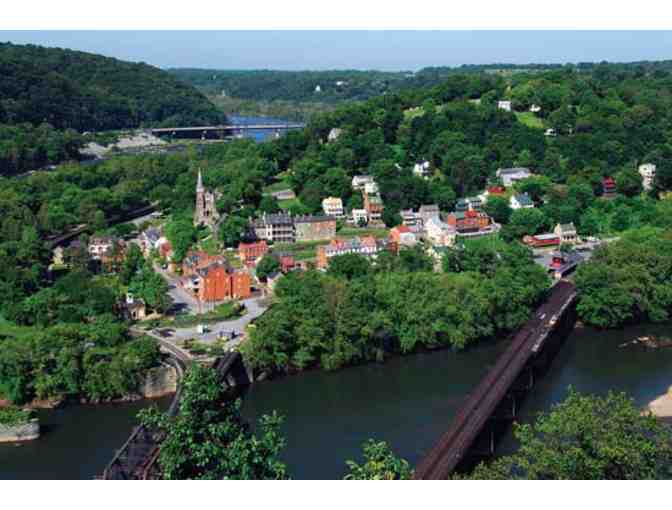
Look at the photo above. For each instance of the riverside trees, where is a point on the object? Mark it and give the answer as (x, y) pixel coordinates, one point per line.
(359, 313)
(587, 438)
(627, 280)
(208, 439)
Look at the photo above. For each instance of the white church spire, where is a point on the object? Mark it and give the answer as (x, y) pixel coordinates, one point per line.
(199, 183)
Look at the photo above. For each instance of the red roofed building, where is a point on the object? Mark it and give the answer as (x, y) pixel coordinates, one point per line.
(217, 282)
(608, 187)
(287, 263)
(468, 221)
(542, 240)
(251, 253)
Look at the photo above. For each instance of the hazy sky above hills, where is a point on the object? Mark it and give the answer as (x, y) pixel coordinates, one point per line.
(384, 50)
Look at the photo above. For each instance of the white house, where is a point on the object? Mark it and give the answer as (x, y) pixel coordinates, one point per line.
(359, 216)
(371, 188)
(504, 105)
(318, 88)
(550, 132)
(439, 233)
(333, 135)
(566, 232)
(333, 206)
(535, 108)
(359, 181)
(648, 173)
(422, 169)
(510, 175)
(521, 201)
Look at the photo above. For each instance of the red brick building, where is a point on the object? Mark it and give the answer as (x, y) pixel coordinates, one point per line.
(209, 278)
(468, 221)
(251, 253)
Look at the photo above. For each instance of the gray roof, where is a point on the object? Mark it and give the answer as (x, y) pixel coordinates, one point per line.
(515, 170)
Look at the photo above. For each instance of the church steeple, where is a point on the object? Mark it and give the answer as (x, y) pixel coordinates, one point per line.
(199, 183)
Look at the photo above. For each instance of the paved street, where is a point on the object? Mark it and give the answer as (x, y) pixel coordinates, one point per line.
(185, 302)
(182, 300)
(254, 309)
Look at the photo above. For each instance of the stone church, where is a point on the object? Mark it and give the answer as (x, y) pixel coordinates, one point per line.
(206, 210)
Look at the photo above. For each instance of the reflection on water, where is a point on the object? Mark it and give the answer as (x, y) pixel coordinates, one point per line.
(76, 442)
(410, 401)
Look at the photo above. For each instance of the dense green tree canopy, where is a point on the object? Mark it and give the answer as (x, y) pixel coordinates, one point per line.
(83, 91)
(208, 439)
(587, 438)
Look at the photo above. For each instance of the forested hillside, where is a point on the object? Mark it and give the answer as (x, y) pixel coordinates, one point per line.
(352, 85)
(85, 92)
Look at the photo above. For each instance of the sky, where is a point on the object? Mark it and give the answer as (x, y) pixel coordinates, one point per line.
(332, 49)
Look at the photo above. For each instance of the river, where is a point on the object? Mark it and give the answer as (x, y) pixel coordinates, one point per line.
(76, 442)
(408, 402)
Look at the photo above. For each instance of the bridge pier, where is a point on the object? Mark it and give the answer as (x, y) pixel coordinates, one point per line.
(496, 402)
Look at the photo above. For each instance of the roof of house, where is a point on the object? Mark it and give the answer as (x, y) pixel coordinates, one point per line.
(514, 170)
(429, 208)
(567, 227)
(274, 219)
(545, 237)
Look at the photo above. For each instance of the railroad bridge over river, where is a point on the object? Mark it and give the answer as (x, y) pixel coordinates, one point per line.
(494, 403)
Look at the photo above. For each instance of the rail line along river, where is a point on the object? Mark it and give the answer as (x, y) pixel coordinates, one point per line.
(408, 401)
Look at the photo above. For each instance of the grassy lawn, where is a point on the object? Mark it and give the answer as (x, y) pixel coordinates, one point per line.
(222, 312)
(491, 240)
(233, 259)
(210, 246)
(530, 120)
(280, 185)
(301, 251)
(349, 232)
(286, 204)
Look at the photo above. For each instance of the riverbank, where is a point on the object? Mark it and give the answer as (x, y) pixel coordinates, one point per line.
(160, 381)
(21, 432)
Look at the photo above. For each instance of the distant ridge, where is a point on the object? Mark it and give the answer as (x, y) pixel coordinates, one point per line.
(85, 91)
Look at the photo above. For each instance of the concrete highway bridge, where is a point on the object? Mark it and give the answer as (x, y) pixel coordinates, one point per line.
(222, 131)
(494, 403)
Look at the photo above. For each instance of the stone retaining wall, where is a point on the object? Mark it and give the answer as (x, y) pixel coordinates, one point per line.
(159, 382)
(24, 432)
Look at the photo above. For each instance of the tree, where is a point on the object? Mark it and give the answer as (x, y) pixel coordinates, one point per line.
(498, 209)
(379, 464)
(182, 234)
(269, 204)
(151, 287)
(629, 182)
(525, 222)
(267, 266)
(208, 439)
(349, 266)
(587, 437)
(232, 230)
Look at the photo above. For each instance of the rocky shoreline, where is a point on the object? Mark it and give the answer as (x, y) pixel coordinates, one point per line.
(21, 432)
(159, 382)
(661, 407)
